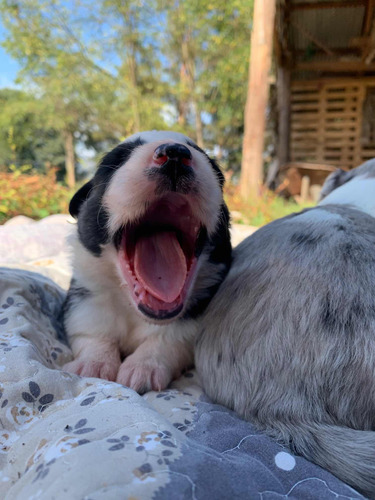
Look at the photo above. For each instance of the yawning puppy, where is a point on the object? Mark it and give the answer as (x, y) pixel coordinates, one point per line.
(151, 249)
(289, 339)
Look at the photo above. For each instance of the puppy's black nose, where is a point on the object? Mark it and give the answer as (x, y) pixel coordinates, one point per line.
(172, 166)
(172, 151)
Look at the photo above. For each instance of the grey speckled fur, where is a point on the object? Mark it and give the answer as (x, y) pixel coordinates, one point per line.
(289, 340)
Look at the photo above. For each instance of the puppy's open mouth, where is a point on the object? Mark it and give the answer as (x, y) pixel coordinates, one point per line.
(158, 256)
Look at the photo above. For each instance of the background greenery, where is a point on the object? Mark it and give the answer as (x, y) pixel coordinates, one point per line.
(94, 72)
(37, 196)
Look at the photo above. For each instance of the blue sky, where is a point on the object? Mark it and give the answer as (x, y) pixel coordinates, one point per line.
(8, 66)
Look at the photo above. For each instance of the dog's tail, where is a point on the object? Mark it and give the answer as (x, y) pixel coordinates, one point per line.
(347, 453)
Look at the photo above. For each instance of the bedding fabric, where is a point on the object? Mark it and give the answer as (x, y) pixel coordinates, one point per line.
(67, 437)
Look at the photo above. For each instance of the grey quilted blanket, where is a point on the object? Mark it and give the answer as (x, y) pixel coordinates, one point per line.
(67, 437)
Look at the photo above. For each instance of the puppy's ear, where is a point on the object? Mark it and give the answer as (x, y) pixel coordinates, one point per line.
(81, 195)
(333, 181)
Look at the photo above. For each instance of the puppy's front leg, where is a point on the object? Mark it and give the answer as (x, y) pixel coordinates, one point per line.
(160, 358)
(92, 328)
(94, 357)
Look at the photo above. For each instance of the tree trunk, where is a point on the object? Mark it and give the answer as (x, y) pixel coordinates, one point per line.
(189, 74)
(257, 95)
(198, 124)
(133, 73)
(69, 158)
(182, 102)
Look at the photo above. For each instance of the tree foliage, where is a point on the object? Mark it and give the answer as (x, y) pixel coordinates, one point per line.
(25, 139)
(96, 72)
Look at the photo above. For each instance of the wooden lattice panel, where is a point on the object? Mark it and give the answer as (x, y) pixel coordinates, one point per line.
(326, 122)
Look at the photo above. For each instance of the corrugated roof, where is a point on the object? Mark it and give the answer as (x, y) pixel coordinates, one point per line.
(318, 32)
(333, 27)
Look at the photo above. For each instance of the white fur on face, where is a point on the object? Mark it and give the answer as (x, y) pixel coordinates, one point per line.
(130, 191)
(358, 192)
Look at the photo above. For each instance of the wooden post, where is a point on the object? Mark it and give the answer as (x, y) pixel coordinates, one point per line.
(357, 156)
(69, 158)
(257, 95)
(305, 188)
(283, 107)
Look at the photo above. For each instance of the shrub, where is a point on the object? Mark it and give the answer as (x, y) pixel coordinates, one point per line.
(259, 211)
(37, 196)
(33, 195)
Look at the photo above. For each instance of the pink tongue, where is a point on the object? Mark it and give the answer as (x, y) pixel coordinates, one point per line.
(160, 265)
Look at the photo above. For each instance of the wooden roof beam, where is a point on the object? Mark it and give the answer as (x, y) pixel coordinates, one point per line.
(368, 52)
(370, 56)
(312, 38)
(328, 5)
(338, 51)
(334, 66)
(359, 42)
(368, 30)
(368, 18)
(281, 46)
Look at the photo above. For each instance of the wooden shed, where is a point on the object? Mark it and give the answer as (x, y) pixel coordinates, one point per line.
(324, 61)
(325, 58)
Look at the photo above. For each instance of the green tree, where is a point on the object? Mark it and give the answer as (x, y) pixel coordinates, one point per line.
(107, 69)
(185, 29)
(206, 46)
(224, 77)
(45, 37)
(24, 138)
(132, 42)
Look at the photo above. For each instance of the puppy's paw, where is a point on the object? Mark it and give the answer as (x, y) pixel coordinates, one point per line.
(144, 375)
(106, 369)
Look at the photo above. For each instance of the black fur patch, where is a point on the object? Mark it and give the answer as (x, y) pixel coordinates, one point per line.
(214, 165)
(335, 180)
(75, 295)
(305, 239)
(339, 318)
(163, 315)
(220, 253)
(81, 195)
(87, 202)
(339, 178)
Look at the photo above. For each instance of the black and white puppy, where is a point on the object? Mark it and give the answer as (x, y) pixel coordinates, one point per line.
(289, 339)
(152, 247)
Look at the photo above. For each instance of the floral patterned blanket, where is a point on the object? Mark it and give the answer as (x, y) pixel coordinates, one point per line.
(67, 437)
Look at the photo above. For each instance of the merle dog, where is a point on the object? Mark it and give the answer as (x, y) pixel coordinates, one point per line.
(289, 339)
